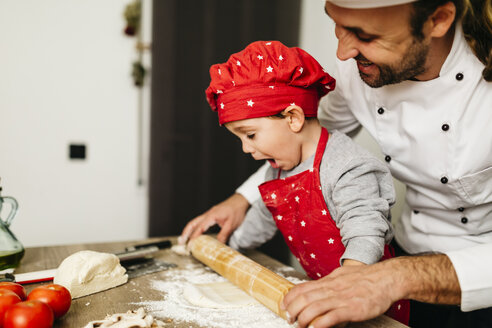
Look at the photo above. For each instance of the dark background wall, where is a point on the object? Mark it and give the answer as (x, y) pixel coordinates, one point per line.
(194, 162)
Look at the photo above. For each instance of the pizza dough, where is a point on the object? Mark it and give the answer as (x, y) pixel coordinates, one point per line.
(217, 295)
(181, 250)
(88, 272)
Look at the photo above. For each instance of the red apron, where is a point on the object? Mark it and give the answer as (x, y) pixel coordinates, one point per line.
(301, 214)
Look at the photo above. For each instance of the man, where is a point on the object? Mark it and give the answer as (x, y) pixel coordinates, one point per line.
(421, 91)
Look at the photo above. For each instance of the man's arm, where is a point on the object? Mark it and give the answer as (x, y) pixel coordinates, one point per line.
(474, 273)
(334, 112)
(372, 289)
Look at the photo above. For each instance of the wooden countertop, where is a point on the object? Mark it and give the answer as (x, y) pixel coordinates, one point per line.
(121, 298)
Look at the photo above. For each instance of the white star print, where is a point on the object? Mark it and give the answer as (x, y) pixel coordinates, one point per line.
(318, 275)
(233, 83)
(290, 238)
(220, 73)
(313, 256)
(328, 87)
(238, 63)
(303, 223)
(301, 70)
(268, 43)
(399, 306)
(292, 104)
(269, 69)
(250, 103)
(221, 105)
(323, 212)
(279, 217)
(271, 87)
(311, 170)
(331, 240)
(219, 91)
(260, 57)
(274, 196)
(297, 199)
(293, 185)
(280, 57)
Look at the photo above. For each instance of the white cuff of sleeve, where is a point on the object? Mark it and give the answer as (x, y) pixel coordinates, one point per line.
(249, 189)
(234, 240)
(474, 272)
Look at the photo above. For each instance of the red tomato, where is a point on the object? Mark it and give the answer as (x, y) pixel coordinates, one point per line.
(29, 314)
(16, 288)
(7, 299)
(56, 296)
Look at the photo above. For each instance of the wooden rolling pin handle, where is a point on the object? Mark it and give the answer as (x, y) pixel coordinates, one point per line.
(264, 285)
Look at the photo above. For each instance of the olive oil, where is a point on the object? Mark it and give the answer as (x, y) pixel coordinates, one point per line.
(10, 259)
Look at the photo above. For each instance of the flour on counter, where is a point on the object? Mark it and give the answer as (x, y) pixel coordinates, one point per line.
(175, 307)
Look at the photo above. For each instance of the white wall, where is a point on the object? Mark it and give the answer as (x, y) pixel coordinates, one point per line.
(65, 78)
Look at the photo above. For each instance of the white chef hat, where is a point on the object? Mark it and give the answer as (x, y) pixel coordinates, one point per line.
(364, 4)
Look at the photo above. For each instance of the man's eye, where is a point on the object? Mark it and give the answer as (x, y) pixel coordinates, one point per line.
(364, 38)
(250, 136)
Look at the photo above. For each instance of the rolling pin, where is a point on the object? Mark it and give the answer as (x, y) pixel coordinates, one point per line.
(266, 287)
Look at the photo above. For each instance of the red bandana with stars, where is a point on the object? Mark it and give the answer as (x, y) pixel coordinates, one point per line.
(264, 79)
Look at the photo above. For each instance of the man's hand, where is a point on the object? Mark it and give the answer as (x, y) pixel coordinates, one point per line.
(358, 293)
(228, 214)
(350, 293)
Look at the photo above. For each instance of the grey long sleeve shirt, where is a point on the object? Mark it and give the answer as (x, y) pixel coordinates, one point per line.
(358, 190)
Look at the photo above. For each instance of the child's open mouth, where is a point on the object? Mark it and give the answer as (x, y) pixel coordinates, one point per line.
(273, 163)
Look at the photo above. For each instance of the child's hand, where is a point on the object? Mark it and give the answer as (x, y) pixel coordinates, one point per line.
(228, 214)
(349, 262)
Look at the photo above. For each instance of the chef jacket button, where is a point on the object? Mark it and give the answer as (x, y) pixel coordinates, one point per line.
(459, 76)
(464, 220)
(444, 180)
(416, 212)
(380, 110)
(461, 209)
(387, 158)
(445, 127)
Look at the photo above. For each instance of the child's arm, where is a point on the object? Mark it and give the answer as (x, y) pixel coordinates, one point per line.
(358, 189)
(257, 228)
(349, 262)
(362, 197)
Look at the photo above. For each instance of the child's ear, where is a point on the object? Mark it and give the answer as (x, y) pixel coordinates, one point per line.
(295, 117)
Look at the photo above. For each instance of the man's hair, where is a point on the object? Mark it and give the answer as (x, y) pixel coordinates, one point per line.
(476, 19)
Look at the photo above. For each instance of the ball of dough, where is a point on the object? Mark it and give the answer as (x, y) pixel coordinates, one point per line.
(89, 272)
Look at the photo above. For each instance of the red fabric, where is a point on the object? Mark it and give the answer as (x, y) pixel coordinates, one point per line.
(264, 79)
(301, 214)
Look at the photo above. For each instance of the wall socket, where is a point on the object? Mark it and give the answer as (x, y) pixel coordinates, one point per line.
(77, 151)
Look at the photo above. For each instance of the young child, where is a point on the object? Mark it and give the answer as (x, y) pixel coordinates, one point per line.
(329, 197)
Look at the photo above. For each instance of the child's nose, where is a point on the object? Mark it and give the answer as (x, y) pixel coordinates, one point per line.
(247, 148)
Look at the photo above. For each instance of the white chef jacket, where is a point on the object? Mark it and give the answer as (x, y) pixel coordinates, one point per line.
(437, 139)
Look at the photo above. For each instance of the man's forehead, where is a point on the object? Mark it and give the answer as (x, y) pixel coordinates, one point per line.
(373, 21)
(366, 4)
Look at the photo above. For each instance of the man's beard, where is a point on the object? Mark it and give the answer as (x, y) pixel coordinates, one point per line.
(412, 64)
